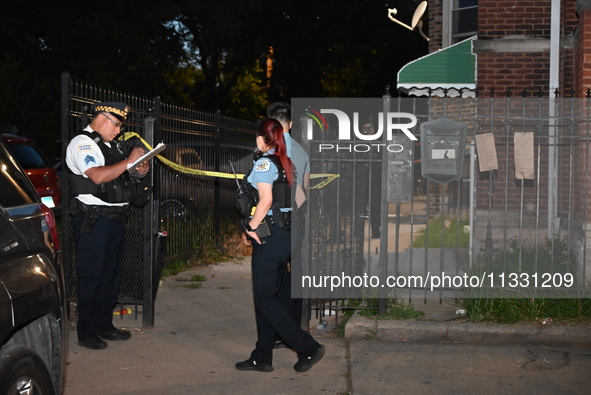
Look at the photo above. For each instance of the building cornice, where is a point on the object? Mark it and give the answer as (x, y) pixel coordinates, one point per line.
(512, 44)
(582, 5)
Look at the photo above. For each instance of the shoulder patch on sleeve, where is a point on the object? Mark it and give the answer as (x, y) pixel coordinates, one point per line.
(89, 159)
(262, 166)
(84, 147)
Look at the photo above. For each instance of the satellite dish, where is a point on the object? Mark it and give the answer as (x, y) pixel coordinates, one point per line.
(416, 18)
(419, 12)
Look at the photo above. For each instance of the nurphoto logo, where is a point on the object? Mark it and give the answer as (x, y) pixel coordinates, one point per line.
(352, 125)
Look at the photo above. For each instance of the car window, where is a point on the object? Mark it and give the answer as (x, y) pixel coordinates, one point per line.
(28, 156)
(189, 159)
(202, 156)
(14, 184)
(232, 154)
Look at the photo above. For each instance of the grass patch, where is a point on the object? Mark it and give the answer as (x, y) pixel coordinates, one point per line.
(196, 281)
(524, 310)
(195, 237)
(193, 285)
(452, 230)
(208, 256)
(198, 278)
(523, 305)
(369, 308)
(174, 267)
(395, 310)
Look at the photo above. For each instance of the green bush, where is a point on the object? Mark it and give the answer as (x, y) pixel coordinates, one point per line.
(453, 234)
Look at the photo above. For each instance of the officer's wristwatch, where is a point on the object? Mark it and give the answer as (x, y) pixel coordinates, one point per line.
(249, 229)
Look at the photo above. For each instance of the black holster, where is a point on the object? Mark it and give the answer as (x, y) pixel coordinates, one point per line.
(91, 214)
(280, 218)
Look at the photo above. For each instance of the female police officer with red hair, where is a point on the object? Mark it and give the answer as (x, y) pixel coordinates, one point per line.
(270, 179)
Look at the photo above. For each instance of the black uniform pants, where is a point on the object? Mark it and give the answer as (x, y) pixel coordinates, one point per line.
(287, 290)
(99, 259)
(272, 318)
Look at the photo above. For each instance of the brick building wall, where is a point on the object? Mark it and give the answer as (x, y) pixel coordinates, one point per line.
(515, 25)
(569, 23)
(435, 10)
(500, 19)
(513, 60)
(513, 50)
(582, 48)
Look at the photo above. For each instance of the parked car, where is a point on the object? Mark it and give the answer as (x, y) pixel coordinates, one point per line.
(41, 173)
(182, 194)
(33, 315)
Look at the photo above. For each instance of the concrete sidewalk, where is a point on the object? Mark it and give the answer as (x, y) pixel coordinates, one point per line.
(201, 332)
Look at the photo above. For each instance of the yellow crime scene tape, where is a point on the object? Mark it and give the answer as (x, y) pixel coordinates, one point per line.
(329, 178)
(126, 136)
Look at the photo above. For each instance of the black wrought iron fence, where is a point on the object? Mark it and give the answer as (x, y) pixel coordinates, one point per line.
(493, 221)
(194, 186)
(197, 182)
(487, 217)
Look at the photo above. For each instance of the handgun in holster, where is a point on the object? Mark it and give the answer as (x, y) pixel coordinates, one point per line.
(89, 220)
(280, 218)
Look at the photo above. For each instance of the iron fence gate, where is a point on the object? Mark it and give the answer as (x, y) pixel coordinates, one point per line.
(137, 276)
(526, 215)
(194, 189)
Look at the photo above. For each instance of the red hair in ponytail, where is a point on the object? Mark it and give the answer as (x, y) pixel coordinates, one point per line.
(272, 133)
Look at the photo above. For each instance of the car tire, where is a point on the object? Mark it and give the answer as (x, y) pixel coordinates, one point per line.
(23, 372)
(173, 209)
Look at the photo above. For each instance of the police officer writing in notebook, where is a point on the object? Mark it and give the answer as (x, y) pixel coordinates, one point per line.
(103, 189)
(269, 181)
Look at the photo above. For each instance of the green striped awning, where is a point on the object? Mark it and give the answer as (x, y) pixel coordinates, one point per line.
(451, 67)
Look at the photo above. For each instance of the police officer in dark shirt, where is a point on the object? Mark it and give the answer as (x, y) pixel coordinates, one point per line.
(103, 189)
